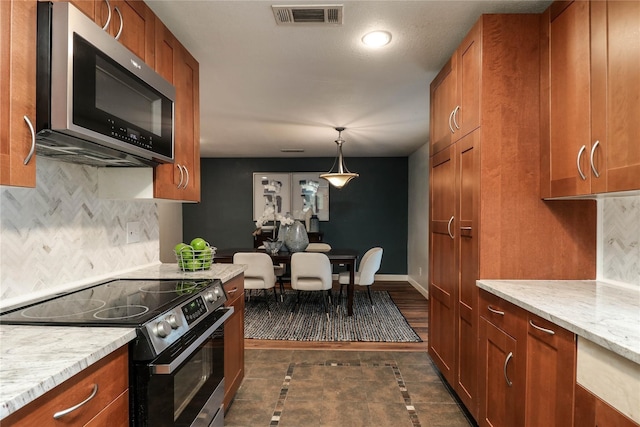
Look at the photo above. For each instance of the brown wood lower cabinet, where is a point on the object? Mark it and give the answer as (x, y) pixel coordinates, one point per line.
(501, 362)
(527, 367)
(234, 339)
(551, 374)
(591, 411)
(109, 406)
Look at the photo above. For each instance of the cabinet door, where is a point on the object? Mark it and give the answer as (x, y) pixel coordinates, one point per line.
(443, 104)
(468, 187)
(551, 371)
(234, 340)
(500, 387)
(615, 56)
(17, 92)
(134, 23)
(466, 116)
(443, 276)
(591, 411)
(570, 114)
(180, 180)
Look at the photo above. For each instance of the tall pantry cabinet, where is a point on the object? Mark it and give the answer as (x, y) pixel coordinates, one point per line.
(487, 219)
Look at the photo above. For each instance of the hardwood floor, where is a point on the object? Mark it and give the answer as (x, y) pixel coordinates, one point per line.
(413, 305)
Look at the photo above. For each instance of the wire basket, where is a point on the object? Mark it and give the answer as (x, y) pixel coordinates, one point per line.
(190, 259)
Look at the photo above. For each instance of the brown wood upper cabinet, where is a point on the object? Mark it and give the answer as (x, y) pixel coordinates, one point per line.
(180, 180)
(590, 88)
(17, 93)
(131, 22)
(455, 94)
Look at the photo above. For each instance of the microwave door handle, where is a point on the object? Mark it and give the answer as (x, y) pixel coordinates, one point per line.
(169, 368)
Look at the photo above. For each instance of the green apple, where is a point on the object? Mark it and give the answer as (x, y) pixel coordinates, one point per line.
(184, 252)
(193, 265)
(198, 244)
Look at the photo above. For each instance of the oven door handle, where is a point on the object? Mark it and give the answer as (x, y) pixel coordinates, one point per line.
(169, 368)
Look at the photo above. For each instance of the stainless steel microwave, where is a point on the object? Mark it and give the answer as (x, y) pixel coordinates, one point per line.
(96, 102)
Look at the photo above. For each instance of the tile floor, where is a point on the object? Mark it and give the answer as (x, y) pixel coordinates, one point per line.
(328, 388)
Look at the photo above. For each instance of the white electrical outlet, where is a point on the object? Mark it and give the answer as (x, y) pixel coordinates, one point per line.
(419, 271)
(133, 232)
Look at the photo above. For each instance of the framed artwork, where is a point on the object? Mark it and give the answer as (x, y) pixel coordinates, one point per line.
(271, 189)
(309, 192)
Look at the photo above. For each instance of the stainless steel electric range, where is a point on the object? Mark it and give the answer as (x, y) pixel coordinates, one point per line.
(177, 358)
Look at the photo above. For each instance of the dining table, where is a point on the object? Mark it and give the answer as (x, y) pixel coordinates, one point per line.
(346, 257)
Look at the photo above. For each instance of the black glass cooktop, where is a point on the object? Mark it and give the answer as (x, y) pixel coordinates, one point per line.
(126, 302)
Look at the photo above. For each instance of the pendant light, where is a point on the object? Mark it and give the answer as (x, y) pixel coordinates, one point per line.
(340, 178)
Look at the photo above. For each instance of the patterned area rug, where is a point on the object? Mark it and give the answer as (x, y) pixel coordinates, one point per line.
(309, 321)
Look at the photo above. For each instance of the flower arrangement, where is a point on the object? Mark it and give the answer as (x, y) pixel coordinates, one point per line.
(270, 214)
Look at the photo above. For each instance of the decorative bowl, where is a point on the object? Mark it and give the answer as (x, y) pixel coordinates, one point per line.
(272, 247)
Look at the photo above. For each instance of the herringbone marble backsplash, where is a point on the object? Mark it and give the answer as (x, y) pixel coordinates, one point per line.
(621, 239)
(61, 232)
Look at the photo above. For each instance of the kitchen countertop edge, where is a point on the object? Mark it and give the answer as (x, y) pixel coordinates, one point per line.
(584, 307)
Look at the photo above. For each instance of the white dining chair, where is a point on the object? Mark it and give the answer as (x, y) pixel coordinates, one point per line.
(365, 276)
(311, 271)
(318, 247)
(259, 273)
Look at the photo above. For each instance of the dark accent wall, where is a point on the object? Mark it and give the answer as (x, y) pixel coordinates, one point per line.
(370, 211)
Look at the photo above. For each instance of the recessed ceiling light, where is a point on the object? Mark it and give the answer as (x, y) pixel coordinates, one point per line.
(377, 38)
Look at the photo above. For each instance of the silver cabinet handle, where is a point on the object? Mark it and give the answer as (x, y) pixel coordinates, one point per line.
(465, 228)
(186, 182)
(121, 23)
(506, 363)
(181, 174)
(108, 16)
(455, 113)
(548, 331)
(449, 227)
(494, 311)
(62, 413)
(584, 147)
(33, 141)
(593, 166)
(450, 121)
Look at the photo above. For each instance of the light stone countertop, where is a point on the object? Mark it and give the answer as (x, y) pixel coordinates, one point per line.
(35, 359)
(606, 314)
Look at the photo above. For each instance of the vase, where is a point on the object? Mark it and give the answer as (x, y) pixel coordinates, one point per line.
(296, 238)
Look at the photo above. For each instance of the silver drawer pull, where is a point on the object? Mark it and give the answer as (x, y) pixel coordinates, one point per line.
(106, 24)
(593, 166)
(450, 119)
(465, 228)
(62, 413)
(548, 331)
(121, 23)
(493, 310)
(582, 175)
(455, 113)
(33, 141)
(506, 363)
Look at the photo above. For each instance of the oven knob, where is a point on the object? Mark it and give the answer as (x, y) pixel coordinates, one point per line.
(174, 321)
(212, 296)
(162, 328)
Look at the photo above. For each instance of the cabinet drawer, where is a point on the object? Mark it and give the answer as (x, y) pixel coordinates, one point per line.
(234, 289)
(501, 313)
(110, 374)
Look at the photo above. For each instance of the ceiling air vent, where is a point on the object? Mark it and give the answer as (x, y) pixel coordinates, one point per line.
(330, 14)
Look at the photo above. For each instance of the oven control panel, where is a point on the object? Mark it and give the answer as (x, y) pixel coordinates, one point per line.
(194, 309)
(168, 327)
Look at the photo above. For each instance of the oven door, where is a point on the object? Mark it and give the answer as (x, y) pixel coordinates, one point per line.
(184, 386)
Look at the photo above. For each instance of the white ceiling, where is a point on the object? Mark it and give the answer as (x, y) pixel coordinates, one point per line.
(265, 87)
